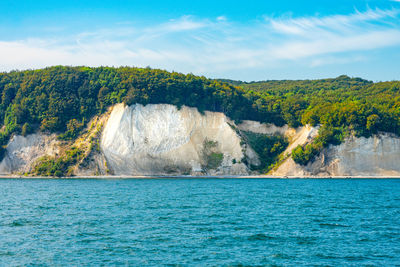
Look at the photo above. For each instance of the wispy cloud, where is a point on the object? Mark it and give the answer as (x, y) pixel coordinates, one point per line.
(309, 37)
(336, 23)
(336, 44)
(222, 18)
(185, 23)
(214, 46)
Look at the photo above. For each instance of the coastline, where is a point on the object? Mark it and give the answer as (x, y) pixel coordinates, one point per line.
(198, 177)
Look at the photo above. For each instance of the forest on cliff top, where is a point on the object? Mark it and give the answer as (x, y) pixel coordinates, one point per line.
(62, 99)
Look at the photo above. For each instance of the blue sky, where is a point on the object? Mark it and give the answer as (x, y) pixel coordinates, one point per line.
(245, 40)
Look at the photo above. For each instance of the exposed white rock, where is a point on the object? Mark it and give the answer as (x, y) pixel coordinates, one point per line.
(296, 137)
(22, 152)
(95, 166)
(264, 128)
(300, 136)
(160, 139)
(375, 156)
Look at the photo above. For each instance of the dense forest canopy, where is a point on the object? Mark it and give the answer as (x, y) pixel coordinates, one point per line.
(61, 99)
(342, 106)
(361, 105)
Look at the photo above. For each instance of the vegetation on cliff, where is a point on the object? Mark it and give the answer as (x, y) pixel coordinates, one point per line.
(268, 148)
(62, 99)
(342, 106)
(211, 156)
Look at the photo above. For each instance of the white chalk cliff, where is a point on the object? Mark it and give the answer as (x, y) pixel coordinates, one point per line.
(163, 140)
(160, 139)
(22, 152)
(375, 156)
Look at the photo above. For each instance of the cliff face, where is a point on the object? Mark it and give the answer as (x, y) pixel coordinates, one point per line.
(164, 140)
(160, 139)
(375, 156)
(299, 136)
(22, 152)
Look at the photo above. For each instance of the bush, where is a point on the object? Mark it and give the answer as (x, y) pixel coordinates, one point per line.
(58, 173)
(212, 158)
(58, 166)
(326, 136)
(298, 155)
(73, 129)
(3, 151)
(267, 147)
(26, 129)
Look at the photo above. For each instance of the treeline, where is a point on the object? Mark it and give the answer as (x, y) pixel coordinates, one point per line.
(62, 99)
(342, 106)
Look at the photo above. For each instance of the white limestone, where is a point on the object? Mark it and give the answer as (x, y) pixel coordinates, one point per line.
(160, 139)
(22, 152)
(375, 156)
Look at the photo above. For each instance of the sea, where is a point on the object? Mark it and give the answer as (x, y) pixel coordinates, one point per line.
(199, 222)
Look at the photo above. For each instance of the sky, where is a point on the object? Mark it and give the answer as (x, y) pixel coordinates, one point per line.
(240, 40)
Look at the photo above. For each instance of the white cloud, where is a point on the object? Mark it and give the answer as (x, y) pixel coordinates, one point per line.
(186, 23)
(214, 47)
(223, 18)
(321, 61)
(339, 23)
(336, 44)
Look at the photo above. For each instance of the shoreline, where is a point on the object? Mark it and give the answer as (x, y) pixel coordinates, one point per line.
(199, 177)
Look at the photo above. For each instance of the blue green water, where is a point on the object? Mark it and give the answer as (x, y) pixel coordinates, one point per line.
(200, 222)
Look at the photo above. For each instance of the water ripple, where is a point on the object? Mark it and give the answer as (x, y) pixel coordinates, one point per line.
(213, 222)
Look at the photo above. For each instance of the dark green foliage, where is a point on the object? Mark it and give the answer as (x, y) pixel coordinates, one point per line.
(327, 135)
(211, 156)
(60, 99)
(58, 166)
(268, 148)
(26, 129)
(49, 166)
(342, 105)
(359, 105)
(214, 160)
(2, 152)
(73, 130)
(299, 157)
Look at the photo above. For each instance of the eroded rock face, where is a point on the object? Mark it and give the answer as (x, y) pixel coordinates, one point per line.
(375, 156)
(163, 140)
(265, 128)
(22, 152)
(299, 136)
(160, 139)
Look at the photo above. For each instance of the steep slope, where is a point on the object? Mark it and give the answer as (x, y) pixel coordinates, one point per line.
(22, 152)
(375, 156)
(378, 155)
(160, 139)
(137, 140)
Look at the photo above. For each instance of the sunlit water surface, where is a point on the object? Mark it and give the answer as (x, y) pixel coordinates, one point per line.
(200, 222)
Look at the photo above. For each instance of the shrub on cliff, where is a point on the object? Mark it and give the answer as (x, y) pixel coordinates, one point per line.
(326, 136)
(59, 99)
(268, 148)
